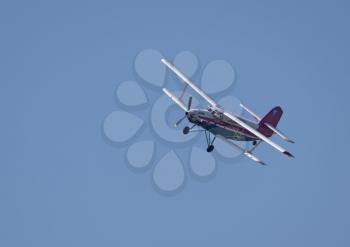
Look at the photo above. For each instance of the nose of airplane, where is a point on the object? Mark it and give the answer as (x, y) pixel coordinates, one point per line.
(189, 114)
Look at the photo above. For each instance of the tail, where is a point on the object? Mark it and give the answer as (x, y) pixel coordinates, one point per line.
(272, 118)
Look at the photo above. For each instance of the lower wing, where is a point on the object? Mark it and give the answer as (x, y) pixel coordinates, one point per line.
(245, 152)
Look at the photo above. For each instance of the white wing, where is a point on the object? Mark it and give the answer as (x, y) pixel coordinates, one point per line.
(245, 152)
(257, 133)
(176, 100)
(190, 83)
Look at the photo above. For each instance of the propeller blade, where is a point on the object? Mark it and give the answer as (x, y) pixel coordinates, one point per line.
(179, 121)
(189, 103)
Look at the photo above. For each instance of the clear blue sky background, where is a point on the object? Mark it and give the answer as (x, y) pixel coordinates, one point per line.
(62, 185)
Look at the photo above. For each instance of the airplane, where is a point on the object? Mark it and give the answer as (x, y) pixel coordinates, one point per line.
(227, 126)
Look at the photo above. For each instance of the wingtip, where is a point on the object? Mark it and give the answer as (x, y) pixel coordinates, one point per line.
(289, 154)
(262, 163)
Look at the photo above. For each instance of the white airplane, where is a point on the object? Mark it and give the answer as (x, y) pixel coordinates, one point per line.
(225, 125)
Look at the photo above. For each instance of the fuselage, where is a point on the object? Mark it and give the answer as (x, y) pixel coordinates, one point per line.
(218, 124)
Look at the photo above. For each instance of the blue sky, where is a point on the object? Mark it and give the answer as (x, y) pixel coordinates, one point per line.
(62, 185)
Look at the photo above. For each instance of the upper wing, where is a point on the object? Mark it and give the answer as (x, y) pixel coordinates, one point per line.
(188, 82)
(257, 133)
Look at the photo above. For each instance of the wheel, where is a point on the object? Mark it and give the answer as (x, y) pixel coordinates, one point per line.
(254, 143)
(186, 130)
(210, 148)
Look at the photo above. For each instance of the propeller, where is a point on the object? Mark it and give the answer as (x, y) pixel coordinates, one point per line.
(188, 109)
(179, 121)
(189, 104)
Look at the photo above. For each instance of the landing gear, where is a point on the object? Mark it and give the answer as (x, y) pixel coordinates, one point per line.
(255, 145)
(210, 147)
(186, 130)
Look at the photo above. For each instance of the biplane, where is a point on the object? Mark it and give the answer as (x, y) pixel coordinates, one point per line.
(215, 122)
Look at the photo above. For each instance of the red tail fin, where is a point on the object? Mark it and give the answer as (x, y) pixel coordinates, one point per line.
(272, 118)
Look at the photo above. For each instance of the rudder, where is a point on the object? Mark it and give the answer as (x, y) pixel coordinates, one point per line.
(272, 118)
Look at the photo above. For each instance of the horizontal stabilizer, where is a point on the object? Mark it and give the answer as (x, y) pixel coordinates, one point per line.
(279, 133)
